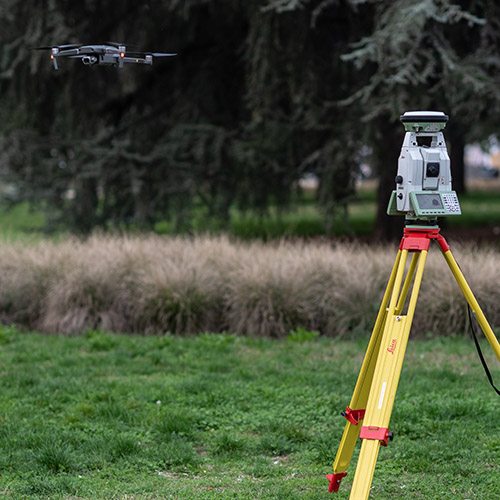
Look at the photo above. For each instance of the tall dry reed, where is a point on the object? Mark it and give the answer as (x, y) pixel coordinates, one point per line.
(187, 285)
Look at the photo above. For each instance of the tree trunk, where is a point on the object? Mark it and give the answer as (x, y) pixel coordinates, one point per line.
(457, 144)
(85, 205)
(386, 148)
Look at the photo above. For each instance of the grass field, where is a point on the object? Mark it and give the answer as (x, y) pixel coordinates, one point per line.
(226, 417)
(480, 208)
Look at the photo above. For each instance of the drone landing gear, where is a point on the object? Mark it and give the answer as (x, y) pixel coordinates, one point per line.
(369, 411)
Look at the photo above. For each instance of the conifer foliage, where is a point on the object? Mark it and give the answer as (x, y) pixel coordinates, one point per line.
(260, 93)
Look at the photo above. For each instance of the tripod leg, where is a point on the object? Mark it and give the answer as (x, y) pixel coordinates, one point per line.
(476, 309)
(374, 431)
(355, 411)
(407, 283)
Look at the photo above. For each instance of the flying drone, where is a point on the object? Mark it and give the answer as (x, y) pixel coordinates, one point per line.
(108, 54)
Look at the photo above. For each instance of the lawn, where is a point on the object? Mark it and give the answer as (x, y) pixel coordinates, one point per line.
(480, 208)
(226, 417)
(303, 218)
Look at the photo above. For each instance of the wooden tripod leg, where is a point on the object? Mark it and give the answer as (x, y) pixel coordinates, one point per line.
(355, 411)
(375, 429)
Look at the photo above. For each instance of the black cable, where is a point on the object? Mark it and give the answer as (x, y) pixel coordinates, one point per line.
(478, 347)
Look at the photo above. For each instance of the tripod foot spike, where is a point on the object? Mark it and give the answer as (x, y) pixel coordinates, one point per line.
(335, 480)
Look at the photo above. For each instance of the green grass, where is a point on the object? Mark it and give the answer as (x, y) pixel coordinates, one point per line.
(20, 221)
(305, 222)
(225, 417)
(480, 207)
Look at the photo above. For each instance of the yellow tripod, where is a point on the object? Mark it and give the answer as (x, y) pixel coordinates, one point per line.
(369, 411)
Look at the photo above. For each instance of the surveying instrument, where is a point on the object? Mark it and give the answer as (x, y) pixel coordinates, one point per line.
(423, 193)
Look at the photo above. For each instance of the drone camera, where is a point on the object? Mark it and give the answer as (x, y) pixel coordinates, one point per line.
(89, 60)
(423, 182)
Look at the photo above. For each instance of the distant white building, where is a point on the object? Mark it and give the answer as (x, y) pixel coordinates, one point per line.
(482, 161)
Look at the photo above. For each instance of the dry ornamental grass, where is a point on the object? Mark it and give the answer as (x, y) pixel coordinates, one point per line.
(189, 285)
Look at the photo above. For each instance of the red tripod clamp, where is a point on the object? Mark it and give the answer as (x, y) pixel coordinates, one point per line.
(381, 434)
(354, 416)
(418, 239)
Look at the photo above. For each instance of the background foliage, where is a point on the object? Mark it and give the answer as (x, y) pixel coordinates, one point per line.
(260, 93)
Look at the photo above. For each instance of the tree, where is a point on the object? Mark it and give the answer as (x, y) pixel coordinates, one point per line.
(261, 92)
(108, 146)
(426, 54)
(247, 107)
(297, 82)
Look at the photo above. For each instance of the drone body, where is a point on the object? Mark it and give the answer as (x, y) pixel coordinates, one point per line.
(108, 54)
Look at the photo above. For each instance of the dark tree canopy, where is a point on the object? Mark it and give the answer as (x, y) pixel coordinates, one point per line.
(260, 93)
(427, 54)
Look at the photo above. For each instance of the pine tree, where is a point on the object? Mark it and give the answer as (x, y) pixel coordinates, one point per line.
(427, 54)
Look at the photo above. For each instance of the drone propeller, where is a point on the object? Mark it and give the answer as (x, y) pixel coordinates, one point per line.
(161, 54)
(119, 44)
(63, 47)
(154, 54)
(69, 46)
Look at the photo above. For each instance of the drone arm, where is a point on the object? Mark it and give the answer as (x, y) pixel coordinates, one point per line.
(137, 60)
(121, 57)
(70, 52)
